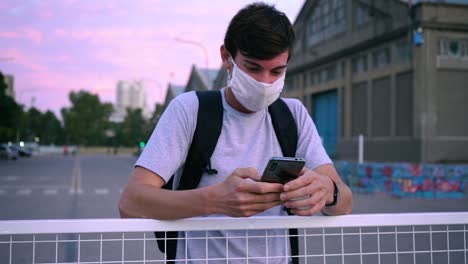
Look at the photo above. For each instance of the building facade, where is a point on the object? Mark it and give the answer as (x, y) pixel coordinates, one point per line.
(10, 83)
(394, 74)
(201, 79)
(132, 95)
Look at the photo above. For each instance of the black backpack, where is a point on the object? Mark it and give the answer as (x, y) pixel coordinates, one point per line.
(205, 138)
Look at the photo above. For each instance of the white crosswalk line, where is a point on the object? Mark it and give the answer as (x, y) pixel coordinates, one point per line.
(24, 192)
(75, 192)
(10, 178)
(50, 192)
(101, 191)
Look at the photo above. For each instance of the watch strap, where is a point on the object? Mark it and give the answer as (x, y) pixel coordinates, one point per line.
(335, 195)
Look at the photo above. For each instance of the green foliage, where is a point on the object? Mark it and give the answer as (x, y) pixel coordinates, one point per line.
(134, 128)
(86, 121)
(10, 114)
(45, 126)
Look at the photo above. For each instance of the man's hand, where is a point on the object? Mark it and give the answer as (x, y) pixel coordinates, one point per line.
(242, 194)
(308, 194)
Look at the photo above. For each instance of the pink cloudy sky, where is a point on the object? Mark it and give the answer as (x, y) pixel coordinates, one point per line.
(53, 47)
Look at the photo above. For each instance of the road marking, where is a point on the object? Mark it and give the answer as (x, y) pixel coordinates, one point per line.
(11, 178)
(75, 192)
(2, 192)
(35, 186)
(44, 178)
(75, 187)
(50, 192)
(24, 192)
(101, 191)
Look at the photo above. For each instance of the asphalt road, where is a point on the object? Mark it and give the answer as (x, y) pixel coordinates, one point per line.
(62, 187)
(77, 187)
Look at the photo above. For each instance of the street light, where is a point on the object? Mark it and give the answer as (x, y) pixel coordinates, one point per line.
(195, 43)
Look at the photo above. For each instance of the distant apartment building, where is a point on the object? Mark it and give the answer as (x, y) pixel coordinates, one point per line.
(132, 95)
(10, 83)
(396, 74)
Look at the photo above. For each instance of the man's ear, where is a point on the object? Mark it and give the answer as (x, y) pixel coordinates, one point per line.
(225, 57)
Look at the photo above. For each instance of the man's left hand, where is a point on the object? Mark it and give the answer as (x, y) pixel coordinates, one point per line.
(308, 194)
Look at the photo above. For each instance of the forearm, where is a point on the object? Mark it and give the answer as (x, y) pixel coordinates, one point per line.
(146, 201)
(344, 203)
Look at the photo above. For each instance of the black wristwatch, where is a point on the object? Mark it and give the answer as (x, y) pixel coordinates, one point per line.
(335, 195)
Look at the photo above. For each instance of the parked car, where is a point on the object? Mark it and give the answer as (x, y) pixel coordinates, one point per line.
(22, 151)
(7, 152)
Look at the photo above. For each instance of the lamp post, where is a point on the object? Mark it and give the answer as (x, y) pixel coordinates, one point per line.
(198, 44)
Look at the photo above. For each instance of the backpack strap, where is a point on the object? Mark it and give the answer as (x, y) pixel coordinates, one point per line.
(205, 138)
(285, 127)
(286, 131)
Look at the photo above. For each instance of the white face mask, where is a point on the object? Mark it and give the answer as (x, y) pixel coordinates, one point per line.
(252, 94)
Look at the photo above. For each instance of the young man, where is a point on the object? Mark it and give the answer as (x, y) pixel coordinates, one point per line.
(256, 50)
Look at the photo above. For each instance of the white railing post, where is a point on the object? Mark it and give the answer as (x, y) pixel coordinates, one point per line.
(361, 149)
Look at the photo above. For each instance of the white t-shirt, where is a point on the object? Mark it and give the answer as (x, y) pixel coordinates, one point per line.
(246, 140)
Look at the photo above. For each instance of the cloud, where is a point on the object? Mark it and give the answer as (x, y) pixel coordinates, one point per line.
(25, 60)
(92, 44)
(102, 35)
(30, 34)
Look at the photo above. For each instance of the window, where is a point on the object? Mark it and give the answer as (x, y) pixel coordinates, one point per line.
(404, 104)
(293, 82)
(327, 19)
(361, 15)
(343, 69)
(359, 64)
(359, 109)
(403, 51)
(454, 47)
(381, 107)
(289, 84)
(330, 73)
(314, 77)
(381, 58)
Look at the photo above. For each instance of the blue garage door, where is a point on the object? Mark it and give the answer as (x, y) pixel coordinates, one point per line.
(325, 116)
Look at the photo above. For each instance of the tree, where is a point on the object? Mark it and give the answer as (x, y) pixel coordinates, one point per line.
(86, 121)
(52, 132)
(45, 126)
(134, 128)
(10, 114)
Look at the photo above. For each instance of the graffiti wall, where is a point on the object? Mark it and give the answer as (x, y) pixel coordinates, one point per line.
(430, 181)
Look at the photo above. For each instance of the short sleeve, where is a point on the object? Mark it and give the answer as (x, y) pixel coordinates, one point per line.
(168, 145)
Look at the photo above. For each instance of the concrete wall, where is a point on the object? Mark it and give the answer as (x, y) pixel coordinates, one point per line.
(441, 85)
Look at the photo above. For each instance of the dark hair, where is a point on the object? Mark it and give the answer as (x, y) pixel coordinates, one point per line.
(259, 31)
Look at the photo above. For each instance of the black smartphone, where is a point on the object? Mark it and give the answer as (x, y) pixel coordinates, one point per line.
(282, 169)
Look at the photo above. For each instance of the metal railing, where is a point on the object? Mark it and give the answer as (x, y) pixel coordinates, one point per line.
(368, 238)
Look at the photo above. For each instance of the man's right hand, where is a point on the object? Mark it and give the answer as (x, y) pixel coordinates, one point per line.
(242, 194)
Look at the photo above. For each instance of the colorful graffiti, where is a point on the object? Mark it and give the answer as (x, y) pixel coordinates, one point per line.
(407, 180)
